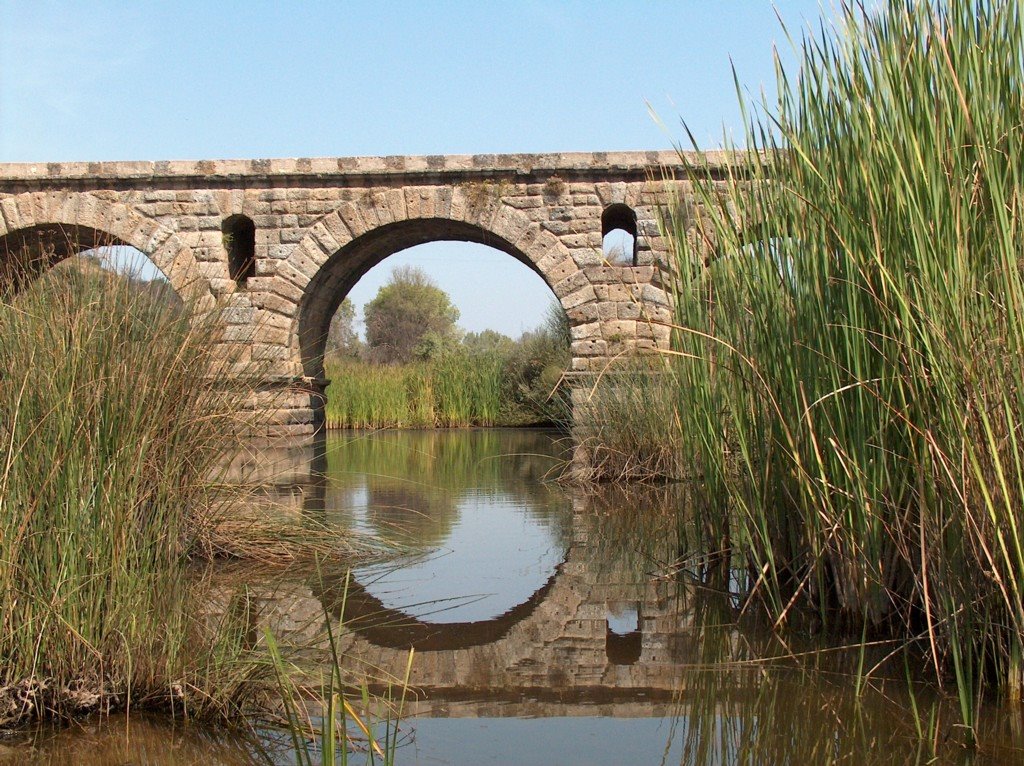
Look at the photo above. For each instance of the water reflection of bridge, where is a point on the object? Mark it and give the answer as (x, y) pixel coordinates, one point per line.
(594, 639)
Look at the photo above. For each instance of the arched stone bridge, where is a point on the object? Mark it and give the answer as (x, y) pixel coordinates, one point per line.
(279, 243)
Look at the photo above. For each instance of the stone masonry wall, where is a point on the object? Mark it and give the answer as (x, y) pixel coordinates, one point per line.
(322, 223)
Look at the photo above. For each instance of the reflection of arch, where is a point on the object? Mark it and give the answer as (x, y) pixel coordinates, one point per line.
(75, 221)
(391, 628)
(388, 628)
(348, 242)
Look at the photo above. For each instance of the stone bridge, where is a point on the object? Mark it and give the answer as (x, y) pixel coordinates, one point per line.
(277, 244)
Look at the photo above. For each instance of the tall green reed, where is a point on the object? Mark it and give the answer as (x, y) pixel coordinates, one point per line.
(457, 389)
(114, 414)
(348, 720)
(850, 307)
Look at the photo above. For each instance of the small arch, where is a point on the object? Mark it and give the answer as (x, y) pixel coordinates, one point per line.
(239, 234)
(57, 224)
(30, 253)
(619, 234)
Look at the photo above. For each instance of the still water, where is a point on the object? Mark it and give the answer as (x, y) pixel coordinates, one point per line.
(550, 625)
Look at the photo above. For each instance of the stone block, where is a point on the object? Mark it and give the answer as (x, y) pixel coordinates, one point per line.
(588, 330)
(524, 203)
(321, 234)
(581, 296)
(510, 224)
(561, 228)
(586, 240)
(575, 281)
(589, 347)
(239, 315)
(586, 257)
(268, 335)
(613, 293)
(307, 261)
(587, 312)
(620, 329)
(655, 295)
(556, 270)
(265, 352)
(287, 289)
(626, 310)
(275, 303)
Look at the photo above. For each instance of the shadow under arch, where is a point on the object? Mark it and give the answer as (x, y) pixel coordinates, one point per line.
(348, 601)
(340, 273)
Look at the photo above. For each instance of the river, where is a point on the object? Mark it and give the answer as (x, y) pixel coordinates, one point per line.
(550, 625)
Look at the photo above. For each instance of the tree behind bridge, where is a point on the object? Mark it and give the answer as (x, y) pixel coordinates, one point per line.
(406, 313)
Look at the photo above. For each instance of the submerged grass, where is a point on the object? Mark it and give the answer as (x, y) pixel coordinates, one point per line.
(851, 329)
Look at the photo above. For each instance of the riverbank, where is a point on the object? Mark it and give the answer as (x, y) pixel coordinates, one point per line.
(455, 390)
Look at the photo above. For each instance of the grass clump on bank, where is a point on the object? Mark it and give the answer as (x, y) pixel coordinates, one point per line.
(851, 311)
(627, 426)
(114, 415)
(451, 392)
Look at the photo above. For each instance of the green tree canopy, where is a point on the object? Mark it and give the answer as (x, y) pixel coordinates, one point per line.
(488, 342)
(342, 338)
(405, 311)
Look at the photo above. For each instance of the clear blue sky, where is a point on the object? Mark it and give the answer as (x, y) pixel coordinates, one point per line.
(197, 80)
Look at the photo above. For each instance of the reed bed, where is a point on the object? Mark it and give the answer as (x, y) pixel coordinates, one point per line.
(119, 411)
(113, 416)
(851, 330)
(457, 390)
(482, 381)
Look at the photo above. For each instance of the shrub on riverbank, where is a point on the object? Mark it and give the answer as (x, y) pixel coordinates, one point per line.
(854, 378)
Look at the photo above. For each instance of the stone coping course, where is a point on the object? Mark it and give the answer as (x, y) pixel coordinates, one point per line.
(570, 164)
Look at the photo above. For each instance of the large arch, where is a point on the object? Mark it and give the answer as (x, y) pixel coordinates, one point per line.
(88, 221)
(346, 243)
